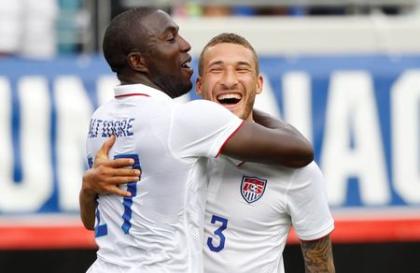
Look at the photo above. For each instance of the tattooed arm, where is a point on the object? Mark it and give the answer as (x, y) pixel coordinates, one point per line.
(318, 256)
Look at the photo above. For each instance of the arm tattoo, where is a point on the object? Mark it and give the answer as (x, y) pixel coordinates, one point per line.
(318, 256)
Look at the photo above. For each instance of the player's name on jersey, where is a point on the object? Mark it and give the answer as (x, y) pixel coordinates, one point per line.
(107, 128)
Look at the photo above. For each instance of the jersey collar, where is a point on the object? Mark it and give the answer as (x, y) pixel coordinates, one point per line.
(128, 90)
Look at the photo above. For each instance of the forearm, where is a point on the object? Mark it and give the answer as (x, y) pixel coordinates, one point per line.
(318, 256)
(87, 202)
(269, 121)
(289, 135)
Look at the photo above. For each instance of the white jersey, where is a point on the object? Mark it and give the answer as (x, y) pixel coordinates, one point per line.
(160, 228)
(250, 209)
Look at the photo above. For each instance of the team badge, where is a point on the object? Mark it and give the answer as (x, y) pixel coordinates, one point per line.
(252, 188)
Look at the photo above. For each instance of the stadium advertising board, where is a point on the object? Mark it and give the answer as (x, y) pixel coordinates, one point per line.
(362, 113)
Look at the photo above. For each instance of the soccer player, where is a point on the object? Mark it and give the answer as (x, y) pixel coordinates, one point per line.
(250, 207)
(158, 225)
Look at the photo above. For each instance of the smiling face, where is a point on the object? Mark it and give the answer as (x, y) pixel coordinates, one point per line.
(142, 45)
(229, 77)
(167, 58)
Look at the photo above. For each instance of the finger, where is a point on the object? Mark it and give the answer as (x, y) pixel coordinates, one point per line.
(116, 190)
(120, 163)
(124, 172)
(122, 180)
(106, 146)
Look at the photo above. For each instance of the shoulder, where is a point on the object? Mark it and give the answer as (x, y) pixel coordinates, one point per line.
(311, 172)
(202, 105)
(103, 109)
(202, 111)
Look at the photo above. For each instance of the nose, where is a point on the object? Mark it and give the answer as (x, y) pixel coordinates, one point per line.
(184, 45)
(229, 79)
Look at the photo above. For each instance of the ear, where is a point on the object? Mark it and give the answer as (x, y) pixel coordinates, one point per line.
(198, 86)
(137, 62)
(260, 82)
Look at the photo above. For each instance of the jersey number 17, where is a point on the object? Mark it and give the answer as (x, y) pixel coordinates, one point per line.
(101, 228)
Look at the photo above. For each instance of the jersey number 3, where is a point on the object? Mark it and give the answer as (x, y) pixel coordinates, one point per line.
(101, 228)
(219, 233)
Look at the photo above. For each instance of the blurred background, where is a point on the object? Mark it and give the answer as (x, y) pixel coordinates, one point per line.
(344, 72)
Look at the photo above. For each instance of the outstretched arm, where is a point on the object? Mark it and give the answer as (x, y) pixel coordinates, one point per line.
(318, 256)
(289, 132)
(104, 178)
(269, 121)
(274, 146)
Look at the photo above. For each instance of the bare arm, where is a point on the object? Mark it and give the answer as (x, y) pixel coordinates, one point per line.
(276, 146)
(269, 121)
(318, 256)
(87, 202)
(289, 131)
(105, 177)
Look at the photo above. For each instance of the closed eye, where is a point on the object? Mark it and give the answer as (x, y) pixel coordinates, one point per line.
(171, 38)
(243, 68)
(170, 34)
(215, 70)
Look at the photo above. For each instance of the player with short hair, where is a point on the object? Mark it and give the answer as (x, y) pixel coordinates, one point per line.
(250, 207)
(158, 225)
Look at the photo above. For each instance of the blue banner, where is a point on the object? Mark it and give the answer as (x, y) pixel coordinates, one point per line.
(362, 113)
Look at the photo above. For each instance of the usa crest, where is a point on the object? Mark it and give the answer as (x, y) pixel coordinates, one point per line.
(252, 188)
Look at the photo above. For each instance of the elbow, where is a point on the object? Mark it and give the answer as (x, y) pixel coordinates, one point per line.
(299, 163)
(88, 225)
(305, 156)
(308, 155)
(88, 222)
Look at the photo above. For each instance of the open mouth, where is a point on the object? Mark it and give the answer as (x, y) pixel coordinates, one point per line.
(229, 99)
(187, 64)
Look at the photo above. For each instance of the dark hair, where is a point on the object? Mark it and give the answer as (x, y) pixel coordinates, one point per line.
(229, 38)
(123, 35)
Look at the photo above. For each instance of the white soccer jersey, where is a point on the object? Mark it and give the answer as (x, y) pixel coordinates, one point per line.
(249, 212)
(160, 228)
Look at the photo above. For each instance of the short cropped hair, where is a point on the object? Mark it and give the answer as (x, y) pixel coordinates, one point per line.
(123, 35)
(229, 38)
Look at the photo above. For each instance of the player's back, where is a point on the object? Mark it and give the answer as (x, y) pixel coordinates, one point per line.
(159, 228)
(149, 227)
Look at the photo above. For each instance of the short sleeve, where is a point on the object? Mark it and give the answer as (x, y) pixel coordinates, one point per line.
(308, 205)
(200, 128)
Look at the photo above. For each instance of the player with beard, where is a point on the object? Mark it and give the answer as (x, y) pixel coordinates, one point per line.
(251, 207)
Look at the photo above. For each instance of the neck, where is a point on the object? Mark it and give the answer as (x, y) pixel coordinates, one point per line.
(250, 117)
(124, 79)
(139, 79)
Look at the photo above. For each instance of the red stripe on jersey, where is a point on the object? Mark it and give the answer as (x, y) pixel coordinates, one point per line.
(231, 135)
(131, 94)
